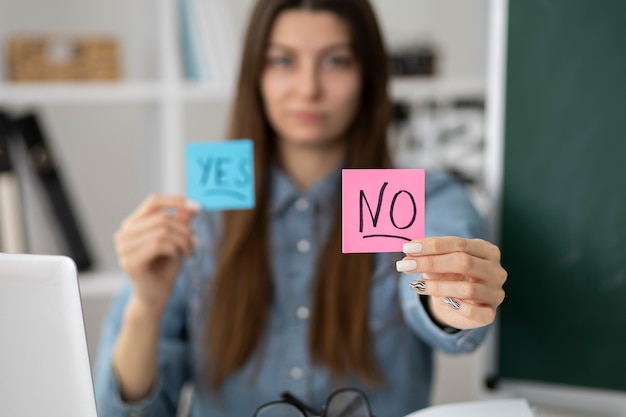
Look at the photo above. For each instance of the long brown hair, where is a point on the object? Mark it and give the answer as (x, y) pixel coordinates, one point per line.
(241, 292)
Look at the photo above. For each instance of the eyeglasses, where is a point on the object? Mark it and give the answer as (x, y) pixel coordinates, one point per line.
(346, 402)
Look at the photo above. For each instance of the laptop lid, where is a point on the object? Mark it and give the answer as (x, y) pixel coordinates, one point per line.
(44, 363)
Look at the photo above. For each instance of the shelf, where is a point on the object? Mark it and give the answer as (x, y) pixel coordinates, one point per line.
(410, 88)
(84, 93)
(130, 92)
(207, 92)
(100, 284)
(433, 88)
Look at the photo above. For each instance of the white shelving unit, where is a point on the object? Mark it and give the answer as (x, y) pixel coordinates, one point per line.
(436, 88)
(159, 96)
(92, 93)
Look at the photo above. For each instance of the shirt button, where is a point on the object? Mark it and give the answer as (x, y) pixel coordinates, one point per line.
(302, 204)
(304, 246)
(296, 372)
(303, 312)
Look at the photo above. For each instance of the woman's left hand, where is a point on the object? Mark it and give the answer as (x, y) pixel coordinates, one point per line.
(463, 278)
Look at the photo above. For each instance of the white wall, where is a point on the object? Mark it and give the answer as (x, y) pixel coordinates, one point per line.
(457, 28)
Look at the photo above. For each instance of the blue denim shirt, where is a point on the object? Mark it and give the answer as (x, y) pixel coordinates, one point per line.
(403, 334)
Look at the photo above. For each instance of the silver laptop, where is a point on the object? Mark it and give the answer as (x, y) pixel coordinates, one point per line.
(44, 363)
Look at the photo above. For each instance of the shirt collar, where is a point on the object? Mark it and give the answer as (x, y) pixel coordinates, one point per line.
(283, 191)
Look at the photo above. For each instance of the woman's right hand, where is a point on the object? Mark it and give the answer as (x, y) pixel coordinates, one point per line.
(151, 243)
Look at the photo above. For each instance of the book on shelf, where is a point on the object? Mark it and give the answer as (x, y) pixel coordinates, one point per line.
(11, 222)
(195, 62)
(51, 225)
(208, 41)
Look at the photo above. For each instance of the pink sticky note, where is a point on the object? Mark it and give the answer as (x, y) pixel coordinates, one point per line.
(381, 209)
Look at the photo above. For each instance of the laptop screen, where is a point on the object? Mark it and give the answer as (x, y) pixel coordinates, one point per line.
(44, 363)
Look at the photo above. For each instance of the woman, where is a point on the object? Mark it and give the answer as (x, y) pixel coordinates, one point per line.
(247, 304)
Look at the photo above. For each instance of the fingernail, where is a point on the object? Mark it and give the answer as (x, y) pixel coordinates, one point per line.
(406, 265)
(418, 285)
(452, 303)
(412, 247)
(195, 241)
(193, 205)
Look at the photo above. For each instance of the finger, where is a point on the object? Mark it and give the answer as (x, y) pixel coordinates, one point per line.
(155, 227)
(455, 263)
(475, 293)
(153, 249)
(466, 315)
(446, 277)
(450, 244)
(160, 202)
(136, 261)
(155, 221)
(180, 238)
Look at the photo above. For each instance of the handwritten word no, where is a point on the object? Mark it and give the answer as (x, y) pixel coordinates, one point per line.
(381, 209)
(392, 217)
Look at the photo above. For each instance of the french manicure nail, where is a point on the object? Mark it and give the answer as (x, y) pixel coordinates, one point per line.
(406, 265)
(193, 205)
(412, 247)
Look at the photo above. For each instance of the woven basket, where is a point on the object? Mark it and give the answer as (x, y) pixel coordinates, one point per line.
(58, 58)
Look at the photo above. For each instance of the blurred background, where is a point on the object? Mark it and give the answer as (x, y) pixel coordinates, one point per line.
(118, 87)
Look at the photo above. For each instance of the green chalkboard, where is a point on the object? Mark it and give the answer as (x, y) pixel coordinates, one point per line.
(563, 219)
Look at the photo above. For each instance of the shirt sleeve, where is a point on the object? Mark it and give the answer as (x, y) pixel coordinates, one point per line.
(173, 361)
(449, 212)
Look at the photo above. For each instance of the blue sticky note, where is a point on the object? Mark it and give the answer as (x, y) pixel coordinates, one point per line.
(220, 175)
